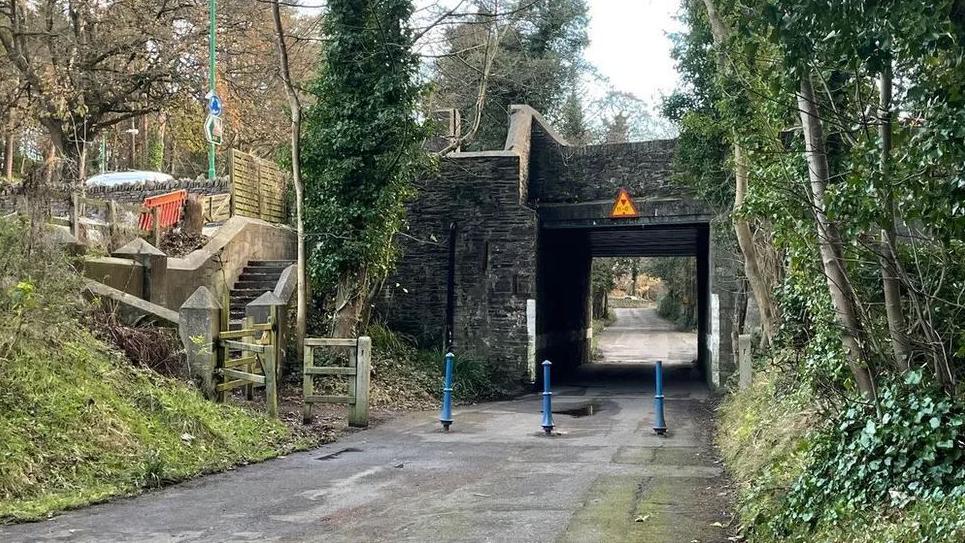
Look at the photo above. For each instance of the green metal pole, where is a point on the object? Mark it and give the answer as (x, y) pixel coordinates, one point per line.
(212, 30)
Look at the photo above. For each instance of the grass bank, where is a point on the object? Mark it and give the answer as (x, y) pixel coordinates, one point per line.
(807, 473)
(79, 422)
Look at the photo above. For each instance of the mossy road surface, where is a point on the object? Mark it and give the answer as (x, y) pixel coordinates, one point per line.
(494, 477)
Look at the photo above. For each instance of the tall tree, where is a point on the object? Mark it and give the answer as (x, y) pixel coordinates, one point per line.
(573, 125)
(360, 151)
(742, 227)
(628, 117)
(295, 110)
(91, 65)
(853, 205)
(523, 52)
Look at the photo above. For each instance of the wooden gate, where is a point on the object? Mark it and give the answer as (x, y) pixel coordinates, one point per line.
(358, 371)
(256, 363)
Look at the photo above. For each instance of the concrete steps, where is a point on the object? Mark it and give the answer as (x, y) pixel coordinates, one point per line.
(258, 277)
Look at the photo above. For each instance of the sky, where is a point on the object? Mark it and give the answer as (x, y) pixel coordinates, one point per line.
(629, 44)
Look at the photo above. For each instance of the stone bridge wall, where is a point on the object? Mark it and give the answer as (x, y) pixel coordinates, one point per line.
(503, 202)
(495, 260)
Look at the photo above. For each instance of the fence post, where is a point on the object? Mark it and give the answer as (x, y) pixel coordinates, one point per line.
(200, 328)
(260, 308)
(359, 414)
(270, 365)
(744, 361)
(308, 383)
(156, 225)
(74, 216)
(249, 323)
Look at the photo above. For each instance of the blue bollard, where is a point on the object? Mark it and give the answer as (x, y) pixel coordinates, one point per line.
(660, 425)
(547, 399)
(445, 416)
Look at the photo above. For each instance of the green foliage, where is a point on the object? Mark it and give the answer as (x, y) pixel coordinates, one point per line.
(762, 434)
(155, 152)
(678, 303)
(845, 475)
(883, 470)
(573, 126)
(699, 160)
(405, 376)
(80, 423)
(914, 450)
(361, 141)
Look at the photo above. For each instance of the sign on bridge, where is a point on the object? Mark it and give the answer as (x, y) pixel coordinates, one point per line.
(623, 206)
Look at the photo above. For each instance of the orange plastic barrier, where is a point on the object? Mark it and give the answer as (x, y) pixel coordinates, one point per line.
(169, 206)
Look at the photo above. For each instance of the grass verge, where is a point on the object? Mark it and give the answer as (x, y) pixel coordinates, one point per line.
(79, 422)
(81, 425)
(768, 435)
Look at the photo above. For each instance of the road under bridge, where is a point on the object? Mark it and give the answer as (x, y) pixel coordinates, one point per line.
(515, 231)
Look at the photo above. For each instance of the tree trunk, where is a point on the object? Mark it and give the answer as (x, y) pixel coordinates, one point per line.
(8, 149)
(159, 141)
(301, 311)
(132, 156)
(889, 269)
(829, 241)
(745, 240)
(349, 302)
(742, 228)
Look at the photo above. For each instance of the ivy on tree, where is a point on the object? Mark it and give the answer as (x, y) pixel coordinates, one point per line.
(360, 149)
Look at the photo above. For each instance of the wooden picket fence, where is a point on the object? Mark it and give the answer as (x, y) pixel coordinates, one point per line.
(257, 188)
(249, 358)
(358, 371)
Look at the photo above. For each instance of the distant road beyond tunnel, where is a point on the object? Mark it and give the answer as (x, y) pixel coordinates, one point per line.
(640, 335)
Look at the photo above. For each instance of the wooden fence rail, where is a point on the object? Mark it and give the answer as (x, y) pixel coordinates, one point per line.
(359, 372)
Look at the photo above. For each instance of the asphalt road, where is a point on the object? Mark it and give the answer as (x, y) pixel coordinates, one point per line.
(495, 477)
(640, 335)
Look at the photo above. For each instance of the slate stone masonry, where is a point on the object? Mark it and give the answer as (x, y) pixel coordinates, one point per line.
(498, 201)
(495, 261)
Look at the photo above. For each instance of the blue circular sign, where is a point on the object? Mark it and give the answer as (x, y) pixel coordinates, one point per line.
(214, 105)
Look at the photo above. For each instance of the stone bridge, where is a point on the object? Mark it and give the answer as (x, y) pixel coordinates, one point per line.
(525, 223)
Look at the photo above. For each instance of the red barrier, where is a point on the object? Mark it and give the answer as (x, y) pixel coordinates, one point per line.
(169, 206)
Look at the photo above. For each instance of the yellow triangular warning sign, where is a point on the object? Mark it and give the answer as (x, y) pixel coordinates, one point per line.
(623, 206)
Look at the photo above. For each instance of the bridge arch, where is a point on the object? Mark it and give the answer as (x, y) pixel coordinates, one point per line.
(526, 222)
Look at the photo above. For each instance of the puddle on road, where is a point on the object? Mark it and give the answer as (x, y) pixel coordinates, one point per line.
(582, 410)
(336, 454)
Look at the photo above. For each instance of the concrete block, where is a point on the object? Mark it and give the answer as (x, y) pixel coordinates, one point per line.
(136, 248)
(199, 328)
(744, 360)
(155, 264)
(287, 283)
